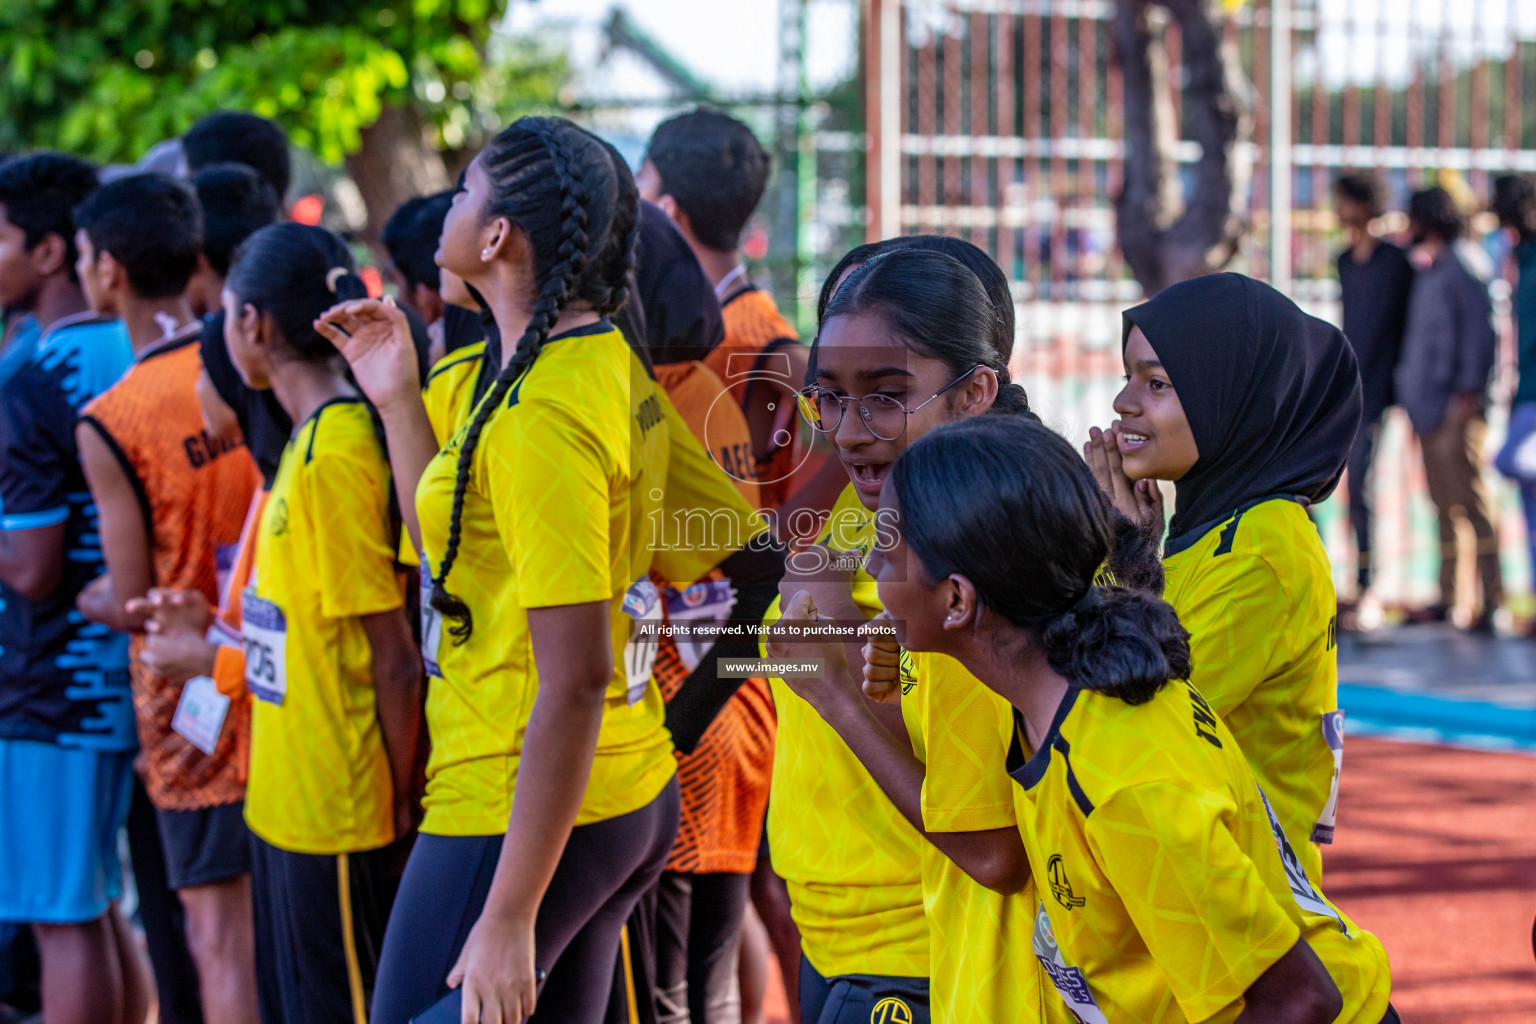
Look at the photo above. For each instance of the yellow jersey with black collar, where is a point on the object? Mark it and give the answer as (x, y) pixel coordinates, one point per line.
(567, 468)
(319, 777)
(448, 391)
(1256, 594)
(852, 863)
(1167, 884)
(575, 476)
(982, 966)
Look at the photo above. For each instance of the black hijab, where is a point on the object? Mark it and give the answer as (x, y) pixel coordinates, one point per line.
(263, 422)
(673, 315)
(1272, 396)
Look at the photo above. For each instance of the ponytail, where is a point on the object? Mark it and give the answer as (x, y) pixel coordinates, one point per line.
(1121, 643)
(294, 272)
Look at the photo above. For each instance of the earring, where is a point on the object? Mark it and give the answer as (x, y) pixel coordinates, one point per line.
(485, 253)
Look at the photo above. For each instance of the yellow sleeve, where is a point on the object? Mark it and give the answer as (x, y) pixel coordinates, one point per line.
(406, 554)
(966, 787)
(348, 498)
(548, 476)
(1196, 899)
(701, 504)
(1238, 616)
(449, 387)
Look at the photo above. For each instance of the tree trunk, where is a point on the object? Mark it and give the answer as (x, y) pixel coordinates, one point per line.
(393, 164)
(1164, 236)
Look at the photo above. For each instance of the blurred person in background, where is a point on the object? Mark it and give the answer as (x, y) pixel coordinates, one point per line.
(1514, 201)
(425, 289)
(1375, 279)
(67, 742)
(1442, 383)
(410, 236)
(235, 136)
(170, 497)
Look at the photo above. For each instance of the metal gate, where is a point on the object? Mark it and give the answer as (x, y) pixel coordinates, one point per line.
(1000, 121)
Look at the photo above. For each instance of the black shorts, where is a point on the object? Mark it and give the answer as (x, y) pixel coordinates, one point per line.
(319, 927)
(605, 868)
(208, 845)
(861, 998)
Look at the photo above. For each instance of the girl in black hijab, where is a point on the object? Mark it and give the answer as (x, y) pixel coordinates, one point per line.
(1249, 406)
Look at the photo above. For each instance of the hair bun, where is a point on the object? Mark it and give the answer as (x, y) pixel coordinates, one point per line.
(1118, 642)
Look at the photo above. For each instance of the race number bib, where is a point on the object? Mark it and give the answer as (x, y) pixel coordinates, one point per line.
(1302, 891)
(200, 712)
(1069, 981)
(1333, 733)
(431, 626)
(265, 629)
(642, 603)
(699, 604)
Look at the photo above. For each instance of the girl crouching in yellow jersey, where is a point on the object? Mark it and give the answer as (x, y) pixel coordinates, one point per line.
(329, 653)
(551, 795)
(1169, 892)
(909, 341)
(1250, 406)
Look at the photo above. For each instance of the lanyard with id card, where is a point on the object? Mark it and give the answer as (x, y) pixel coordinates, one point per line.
(265, 630)
(200, 712)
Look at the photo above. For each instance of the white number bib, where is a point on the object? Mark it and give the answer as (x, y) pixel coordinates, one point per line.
(1302, 891)
(699, 604)
(265, 629)
(642, 603)
(200, 712)
(431, 626)
(1069, 981)
(1333, 733)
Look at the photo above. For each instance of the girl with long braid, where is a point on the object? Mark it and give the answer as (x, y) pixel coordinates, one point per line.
(551, 797)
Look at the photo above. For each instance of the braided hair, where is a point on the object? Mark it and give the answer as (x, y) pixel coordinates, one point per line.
(574, 198)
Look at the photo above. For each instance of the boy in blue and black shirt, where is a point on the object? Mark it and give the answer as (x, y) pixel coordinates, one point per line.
(67, 738)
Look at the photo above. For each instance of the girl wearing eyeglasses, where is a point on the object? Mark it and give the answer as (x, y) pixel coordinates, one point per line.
(865, 833)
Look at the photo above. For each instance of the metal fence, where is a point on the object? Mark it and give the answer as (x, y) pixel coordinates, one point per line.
(1000, 121)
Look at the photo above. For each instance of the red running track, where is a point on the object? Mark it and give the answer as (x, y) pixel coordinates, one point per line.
(1436, 854)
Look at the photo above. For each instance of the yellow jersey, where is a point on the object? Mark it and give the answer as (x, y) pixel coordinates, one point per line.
(319, 776)
(982, 966)
(447, 393)
(852, 862)
(1167, 884)
(574, 474)
(1256, 594)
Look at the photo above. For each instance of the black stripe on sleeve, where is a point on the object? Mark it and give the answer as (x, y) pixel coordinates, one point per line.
(132, 474)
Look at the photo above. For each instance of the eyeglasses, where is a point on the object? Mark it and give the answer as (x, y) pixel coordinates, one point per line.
(883, 416)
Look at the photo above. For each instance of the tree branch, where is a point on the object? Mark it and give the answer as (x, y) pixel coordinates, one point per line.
(1164, 237)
